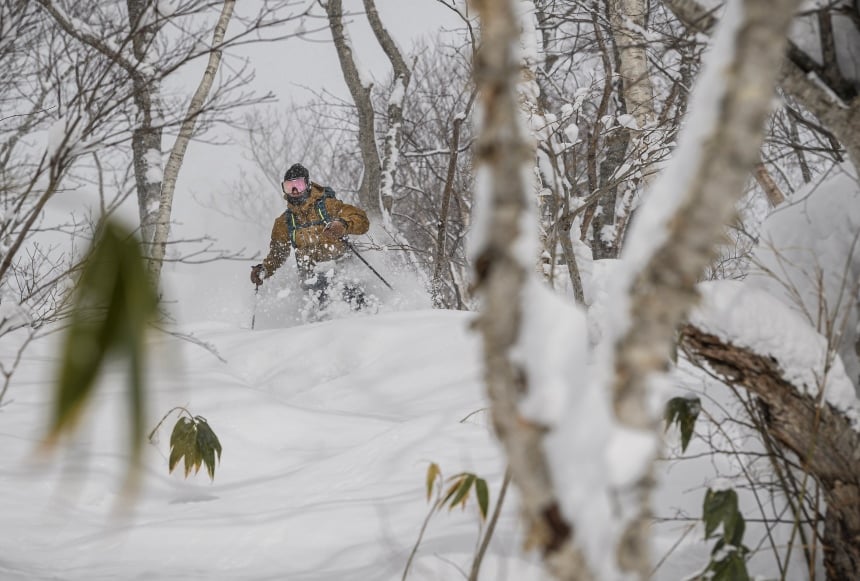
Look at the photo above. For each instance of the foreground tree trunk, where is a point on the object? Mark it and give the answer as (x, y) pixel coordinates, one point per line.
(663, 290)
(822, 438)
(504, 152)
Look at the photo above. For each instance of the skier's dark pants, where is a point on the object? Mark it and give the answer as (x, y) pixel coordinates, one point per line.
(318, 283)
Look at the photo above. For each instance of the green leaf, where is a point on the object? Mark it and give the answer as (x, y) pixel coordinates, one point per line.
(462, 492)
(733, 528)
(458, 481)
(433, 472)
(183, 444)
(483, 494)
(87, 340)
(207, 446)
(732, 568)
(684, 411)
(112, 305)
(721, 507)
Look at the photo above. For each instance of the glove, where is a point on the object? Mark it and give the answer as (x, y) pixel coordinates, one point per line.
(335, 230)
(256, 272)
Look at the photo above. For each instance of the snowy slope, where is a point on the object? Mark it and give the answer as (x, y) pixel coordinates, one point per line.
(327, 431)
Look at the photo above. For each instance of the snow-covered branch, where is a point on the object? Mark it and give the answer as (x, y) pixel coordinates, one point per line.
(682, 222)
(822, 437)
(82, 34)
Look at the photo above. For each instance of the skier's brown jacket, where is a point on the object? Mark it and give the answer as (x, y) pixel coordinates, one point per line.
(311, 245)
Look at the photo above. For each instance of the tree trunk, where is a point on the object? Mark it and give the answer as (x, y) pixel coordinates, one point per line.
(843, 119)
(663, 291)
(440, 260)
(146, 137)
(177, 154)
(774, 195)
(371, 179)
(402, 76)
(605, 242)
(821, 437)
(500, 276)
(628, 18)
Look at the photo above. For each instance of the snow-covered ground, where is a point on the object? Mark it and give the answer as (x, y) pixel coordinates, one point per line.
(327, 429)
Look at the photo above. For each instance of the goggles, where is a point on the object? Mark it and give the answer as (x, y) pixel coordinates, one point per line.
(300, 184)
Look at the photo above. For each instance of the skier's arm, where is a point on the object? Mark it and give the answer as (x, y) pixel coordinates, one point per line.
(355, 219)
(279, 248)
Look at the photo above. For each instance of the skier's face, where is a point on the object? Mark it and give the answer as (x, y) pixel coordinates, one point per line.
(295, 187)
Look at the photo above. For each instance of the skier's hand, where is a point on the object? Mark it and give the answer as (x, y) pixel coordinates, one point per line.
(335, 229)
(256, 272)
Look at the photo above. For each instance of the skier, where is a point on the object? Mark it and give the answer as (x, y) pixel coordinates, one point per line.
(315, 224)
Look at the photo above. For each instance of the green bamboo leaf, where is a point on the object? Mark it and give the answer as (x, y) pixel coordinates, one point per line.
(731, 568)
(179, 429)
(87, 341)
(733, 526)
(433, 472)
(138, 303)
(458, 481)
(684, 411)
(207, 445)
(463, 491)
(113, 303)
(483, 494)
(183, 444)
(719, 506)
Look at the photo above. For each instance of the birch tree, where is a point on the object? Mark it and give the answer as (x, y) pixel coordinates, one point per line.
(177, 153)
(503, 152)
(663, 291)
(680, 227)
(632, 142)
(146, 136)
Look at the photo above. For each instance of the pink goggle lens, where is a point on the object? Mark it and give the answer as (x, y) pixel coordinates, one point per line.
(299, 184)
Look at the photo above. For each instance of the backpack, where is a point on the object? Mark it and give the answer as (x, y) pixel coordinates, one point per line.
(293, 226)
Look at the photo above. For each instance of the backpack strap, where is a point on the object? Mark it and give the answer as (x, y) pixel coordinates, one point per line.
(293, 225)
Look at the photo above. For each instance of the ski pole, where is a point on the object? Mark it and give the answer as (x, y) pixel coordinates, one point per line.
(360, 257)
(254, 311)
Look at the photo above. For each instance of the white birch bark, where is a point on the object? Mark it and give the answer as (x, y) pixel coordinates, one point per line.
(147, 135)
(628, 20)
(628, 29)
(505, 155)
(177, 153)
(663, 290)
